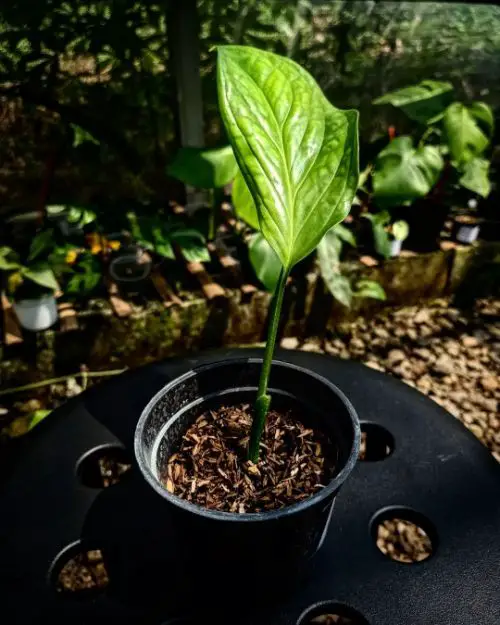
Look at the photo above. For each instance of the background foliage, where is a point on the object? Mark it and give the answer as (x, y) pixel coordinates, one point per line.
(88, 84)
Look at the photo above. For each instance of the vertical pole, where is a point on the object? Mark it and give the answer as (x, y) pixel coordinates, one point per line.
(183, 32)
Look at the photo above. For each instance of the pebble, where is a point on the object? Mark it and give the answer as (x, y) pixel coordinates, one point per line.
(489, 383)
(290, 342)
(444, 364)
(395, 356)
(469, 341)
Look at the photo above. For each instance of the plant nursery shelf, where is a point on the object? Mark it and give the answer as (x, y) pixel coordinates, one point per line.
(432, 471)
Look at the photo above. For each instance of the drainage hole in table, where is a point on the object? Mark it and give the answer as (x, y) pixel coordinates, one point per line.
(404, 535)
(377, 443)
(332, 613)
(79, 572)
(103, 466)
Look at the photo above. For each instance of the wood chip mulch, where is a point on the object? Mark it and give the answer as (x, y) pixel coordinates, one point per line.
(403, 541)
(86, 571)
(211, 469)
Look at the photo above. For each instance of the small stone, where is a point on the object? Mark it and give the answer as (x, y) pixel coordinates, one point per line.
(476, 430)
(311, 347)
(357, 344)
(423, 353)
(489, 383)
(395, 356)
(382, 333)
(424, 383)
(423, 316)
(374, 365)
(469, 341)
(290, 342)
(444, 364)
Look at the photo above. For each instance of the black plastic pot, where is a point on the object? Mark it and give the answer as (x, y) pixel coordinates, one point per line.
(273, 545)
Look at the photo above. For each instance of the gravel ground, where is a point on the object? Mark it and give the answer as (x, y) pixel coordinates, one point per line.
(451, 358)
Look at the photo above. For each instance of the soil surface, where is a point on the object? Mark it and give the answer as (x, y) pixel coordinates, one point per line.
(211, 468)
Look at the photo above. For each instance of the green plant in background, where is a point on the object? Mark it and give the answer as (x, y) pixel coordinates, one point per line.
(162, 236)
(463, 132)
(299, 157)
(33, 275)
(205, 169)
(403, 173)
(384, 233)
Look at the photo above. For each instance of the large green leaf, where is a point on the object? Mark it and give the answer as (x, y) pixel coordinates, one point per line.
(297, 152)
(266, 264)
(422, 102)
(463, 130)
(204, 169)
(475, 176)
(403, 173)
(42, 275)
(243, 202)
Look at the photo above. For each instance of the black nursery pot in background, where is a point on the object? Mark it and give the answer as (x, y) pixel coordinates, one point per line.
(230, 545)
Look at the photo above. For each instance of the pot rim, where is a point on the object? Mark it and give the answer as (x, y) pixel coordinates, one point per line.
(323, 494)
(34, 300)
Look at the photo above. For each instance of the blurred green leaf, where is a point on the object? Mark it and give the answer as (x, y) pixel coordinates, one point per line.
(9, 259)
(381, 237)
(36, 417)
(476, 176)
(243, 202)
(80, 135)
(81, 216)
(265, 262)
(328, 250)
(400, 230)
(42, 275)
(344, 234)
(203, 168)
(421, 102)
(463, 131)
(42, 242)
(369, 288)
(403, 173)
(86, 276)
(192, 245)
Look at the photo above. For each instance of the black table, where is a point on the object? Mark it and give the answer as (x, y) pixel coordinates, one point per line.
(438, 474)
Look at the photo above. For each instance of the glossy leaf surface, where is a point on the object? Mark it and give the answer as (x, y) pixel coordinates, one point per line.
(266, 264)
(297, 152)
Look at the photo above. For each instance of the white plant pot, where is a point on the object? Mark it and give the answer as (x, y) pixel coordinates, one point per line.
(395, 249)
(36, 314)
(467, 233)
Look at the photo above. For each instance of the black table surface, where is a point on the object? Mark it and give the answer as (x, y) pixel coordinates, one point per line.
(438, 471)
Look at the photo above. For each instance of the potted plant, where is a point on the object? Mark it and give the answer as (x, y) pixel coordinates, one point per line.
(249, 454)
(32, 286)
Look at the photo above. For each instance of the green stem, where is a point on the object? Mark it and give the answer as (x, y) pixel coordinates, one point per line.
(84, 374)
(263, 400)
